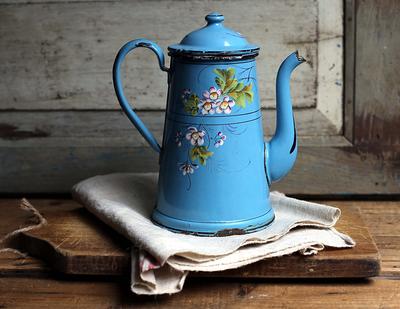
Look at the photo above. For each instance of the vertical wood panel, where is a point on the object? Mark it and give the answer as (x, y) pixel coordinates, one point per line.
(330, 61)
(377, 112)
(349, 68)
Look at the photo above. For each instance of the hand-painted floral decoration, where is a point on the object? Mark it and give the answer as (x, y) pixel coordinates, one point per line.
(196, 137)
(225, 106)
(196, 142)
(187, 168)
(178, 138)
(212, 94)
(219, 139)
(207, 107)
(221, 99)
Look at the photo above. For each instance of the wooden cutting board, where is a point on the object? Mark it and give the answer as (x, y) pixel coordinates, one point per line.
(76, 242)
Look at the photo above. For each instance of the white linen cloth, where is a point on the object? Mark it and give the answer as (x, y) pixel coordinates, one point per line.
(161, 259)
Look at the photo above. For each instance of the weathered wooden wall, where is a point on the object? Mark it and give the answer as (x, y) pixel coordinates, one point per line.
(60, 121)
(58, 55)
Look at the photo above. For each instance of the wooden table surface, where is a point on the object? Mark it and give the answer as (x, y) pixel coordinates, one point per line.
(28, 282)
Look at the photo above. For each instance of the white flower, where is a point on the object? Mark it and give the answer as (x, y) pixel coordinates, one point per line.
(187, 168)
(178, 138)
(196, 137)
(212, 94)
(220, 139)
(207, 107)
(225, 106)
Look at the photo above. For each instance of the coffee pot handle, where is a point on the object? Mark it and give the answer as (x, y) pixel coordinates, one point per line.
(133, 117)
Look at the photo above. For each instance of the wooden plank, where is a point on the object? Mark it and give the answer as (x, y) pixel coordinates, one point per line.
(318, 170)
(382, 221)
(68, 48)
(343, 171)
(58, 293)
(377, 112)
(380, 217)
(112, 128)
(57, 169)
(13, 264)
(76, 242)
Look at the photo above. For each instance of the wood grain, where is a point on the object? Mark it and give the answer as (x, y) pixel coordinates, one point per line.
(59, 54)
(349, 69)
(380, 217)
(20, 286)
(75, 242)
(318, 170)
(377, 75)
(13, 264)
(382, 221)
(58, 293)
(112, 128)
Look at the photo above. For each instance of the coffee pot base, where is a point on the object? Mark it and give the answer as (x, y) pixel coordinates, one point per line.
(214, 229)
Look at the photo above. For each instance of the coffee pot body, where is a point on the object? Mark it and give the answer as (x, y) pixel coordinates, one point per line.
(215, 167)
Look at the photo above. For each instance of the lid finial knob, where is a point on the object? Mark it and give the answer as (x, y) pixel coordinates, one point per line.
(214, 18)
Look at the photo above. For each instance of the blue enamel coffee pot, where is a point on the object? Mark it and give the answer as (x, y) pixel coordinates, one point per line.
(215, 168)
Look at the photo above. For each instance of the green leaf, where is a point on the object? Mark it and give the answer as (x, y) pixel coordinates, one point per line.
(234, 95)
(241, 94)
(200, 153)
(202, 161)
(220, 73)
(231, 86)
(241, 100)
(190, 106)
(247, 90)
(230, 73)
(193, 154)
(220, 82)
(249, 96)
(239, 87)
(225, 79)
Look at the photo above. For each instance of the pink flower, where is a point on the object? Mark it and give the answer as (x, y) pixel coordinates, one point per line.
(196, 137)
(225, 106)
(207, 107)
(212, 94)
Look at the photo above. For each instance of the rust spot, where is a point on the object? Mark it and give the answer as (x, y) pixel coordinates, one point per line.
(12, 133)
(229, 232)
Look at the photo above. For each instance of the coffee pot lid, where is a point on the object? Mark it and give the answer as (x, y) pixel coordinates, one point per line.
(214, 39)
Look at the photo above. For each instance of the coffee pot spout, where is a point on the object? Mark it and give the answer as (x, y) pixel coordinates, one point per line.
(281, 150)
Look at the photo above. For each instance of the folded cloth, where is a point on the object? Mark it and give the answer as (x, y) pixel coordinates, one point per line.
(161, 259)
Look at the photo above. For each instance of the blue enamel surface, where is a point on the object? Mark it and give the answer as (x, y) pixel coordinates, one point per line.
(119, 89)
(214, 37)
(215, 167)
(284, 140)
